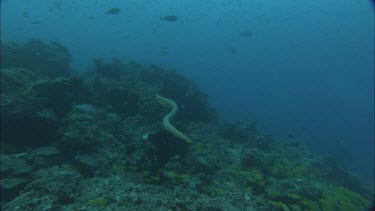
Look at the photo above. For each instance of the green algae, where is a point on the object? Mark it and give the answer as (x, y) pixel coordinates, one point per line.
(340, 198)
(98, 202)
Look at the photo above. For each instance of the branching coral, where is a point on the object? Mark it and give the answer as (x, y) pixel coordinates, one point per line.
(167, 119)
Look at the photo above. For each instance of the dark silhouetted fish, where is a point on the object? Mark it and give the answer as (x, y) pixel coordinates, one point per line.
(25, 14)
(113, 11)
(246, 33)
(170, 18)
(232, 50)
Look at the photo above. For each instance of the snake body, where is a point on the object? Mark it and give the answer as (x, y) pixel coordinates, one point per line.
(167, 119)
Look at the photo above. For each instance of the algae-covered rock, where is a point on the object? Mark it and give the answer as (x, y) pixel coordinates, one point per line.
(15, 173)
(133, 82)
(98, 202)
(49, 189)
(15, 164)
(340, 198)
(290, 190)
(31, 106)
(254, 158)
(47, 59)
(61, 93)
(16, 80)
(11, 186)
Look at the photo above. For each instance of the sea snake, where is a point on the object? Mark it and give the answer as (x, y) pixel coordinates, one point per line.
(167, 119)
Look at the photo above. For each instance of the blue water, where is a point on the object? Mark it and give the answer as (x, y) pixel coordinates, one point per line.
(305, 69)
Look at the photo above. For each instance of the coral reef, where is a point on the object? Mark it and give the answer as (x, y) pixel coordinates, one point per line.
(95, 142)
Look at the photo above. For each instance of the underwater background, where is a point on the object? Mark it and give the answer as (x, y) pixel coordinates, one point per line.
(301, 70)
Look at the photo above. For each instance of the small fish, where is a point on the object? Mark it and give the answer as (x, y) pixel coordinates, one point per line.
(291, 136)
(36, 22)
(25, 14)
(246, 33)
(232, 50)
(113, 11)
(170, 18)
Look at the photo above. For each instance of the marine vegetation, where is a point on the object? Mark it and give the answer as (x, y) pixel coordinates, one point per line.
(95, 141)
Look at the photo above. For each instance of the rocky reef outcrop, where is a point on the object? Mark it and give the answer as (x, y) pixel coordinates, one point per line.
(95, 141)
